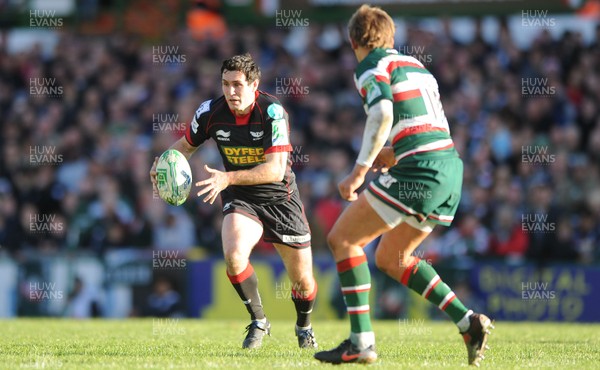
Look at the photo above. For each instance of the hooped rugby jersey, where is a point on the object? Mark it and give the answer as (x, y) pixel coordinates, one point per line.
(244, 141)
(420, 123)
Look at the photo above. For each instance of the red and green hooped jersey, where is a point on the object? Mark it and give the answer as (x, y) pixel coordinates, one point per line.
(420, 124)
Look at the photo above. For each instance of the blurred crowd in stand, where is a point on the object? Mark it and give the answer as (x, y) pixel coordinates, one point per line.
(80, 128)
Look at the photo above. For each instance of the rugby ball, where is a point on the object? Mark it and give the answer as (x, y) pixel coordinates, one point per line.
(173, 177)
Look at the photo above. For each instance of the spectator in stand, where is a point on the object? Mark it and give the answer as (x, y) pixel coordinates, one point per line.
(507, 236)
(164, 300)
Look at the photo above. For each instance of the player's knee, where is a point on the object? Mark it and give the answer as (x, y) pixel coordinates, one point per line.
(383, 262)
(236, 262)
(335, 241)
(305, 283)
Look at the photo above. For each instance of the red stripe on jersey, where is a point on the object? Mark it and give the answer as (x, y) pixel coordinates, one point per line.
(432, 150)
(409, 269)
(236, 279)
(357, 312)
(351, 263)
(385, 200)
(399, 63)
(406, 95)
(416, 130)
(187, 137)
(279, 148)
(380, 78)
(363, 92)
(447, 303)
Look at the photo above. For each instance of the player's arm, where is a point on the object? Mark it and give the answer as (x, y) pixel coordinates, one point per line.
(190, 142)
(272, 170)
(377, 130)
(184, 147)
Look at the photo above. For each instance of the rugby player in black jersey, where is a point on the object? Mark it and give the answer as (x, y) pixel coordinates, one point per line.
(258, 191)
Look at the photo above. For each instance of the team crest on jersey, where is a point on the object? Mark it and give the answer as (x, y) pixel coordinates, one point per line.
(386, 180)
(275, 111)
(257, 135)
(223, 135)
(373, 90)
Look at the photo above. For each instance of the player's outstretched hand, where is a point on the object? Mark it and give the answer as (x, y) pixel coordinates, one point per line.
(153, 175)
(216, 183)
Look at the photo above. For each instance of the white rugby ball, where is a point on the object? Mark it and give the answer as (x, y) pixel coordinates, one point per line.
(173, 177)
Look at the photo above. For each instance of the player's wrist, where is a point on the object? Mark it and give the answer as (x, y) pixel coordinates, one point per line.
(360, 170)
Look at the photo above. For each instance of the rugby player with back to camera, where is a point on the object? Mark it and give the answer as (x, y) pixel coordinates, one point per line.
(258, 191)
(402, 102)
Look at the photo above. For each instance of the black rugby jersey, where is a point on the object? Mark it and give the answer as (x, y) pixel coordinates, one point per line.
(244, 141)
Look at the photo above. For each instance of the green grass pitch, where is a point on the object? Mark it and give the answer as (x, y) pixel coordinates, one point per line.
(214, 344)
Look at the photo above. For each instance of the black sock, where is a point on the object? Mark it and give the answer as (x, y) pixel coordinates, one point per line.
(304, 303)
(246, 285)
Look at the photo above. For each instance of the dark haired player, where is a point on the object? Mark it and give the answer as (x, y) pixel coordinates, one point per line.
(258, 191)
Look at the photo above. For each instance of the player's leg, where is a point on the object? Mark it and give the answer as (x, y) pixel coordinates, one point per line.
(357, 226)
(240, 234)
(298, 263)
(394, 257)
(287, 228)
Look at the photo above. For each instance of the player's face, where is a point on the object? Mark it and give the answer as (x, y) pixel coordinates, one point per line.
(237, 91)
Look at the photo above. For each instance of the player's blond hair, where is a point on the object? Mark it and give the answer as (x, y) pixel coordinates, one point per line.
(371, 27)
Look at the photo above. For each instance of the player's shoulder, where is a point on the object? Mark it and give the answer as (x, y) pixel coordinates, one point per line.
(210, 105)
(270, 104)
(381, 61)
(264, 99)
